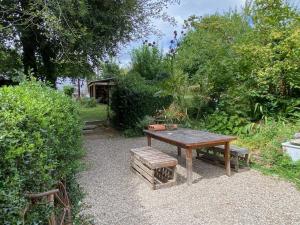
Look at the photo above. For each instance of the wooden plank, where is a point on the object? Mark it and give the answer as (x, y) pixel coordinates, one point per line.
(234, 162)
(234, 150)
(143, 178)
(164, 164)
(159, 185)
(189, 166)
(152, 154)
(178, 151)
(153, 158)
(227, 159)
(161, 159)
(144, 161)
(153, 165)
(190, 138)
(143, 167)
(143, 173)
(149, 140)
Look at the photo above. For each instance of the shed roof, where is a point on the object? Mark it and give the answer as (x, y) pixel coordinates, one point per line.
(103, 82)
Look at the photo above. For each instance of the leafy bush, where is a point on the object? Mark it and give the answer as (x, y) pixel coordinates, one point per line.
(142, 124)
(248, 58)
(223, 123)
(133, 99)
(88, 102)
(147, 61)
(265, 145)
(69, 90)
(40, 144)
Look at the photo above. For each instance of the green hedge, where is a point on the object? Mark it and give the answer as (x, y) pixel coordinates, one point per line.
(40, 144)
(133, 99)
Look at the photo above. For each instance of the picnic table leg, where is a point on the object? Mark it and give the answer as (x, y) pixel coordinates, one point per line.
(227, 158)
(178, 151)
(149, 140)
(189, 166)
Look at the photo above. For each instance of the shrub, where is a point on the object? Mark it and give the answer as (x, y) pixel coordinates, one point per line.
(88, 102)
(69, 90)
(221, 122)
(133, 99)
(265, 145)
(148, 62)
(40, 144)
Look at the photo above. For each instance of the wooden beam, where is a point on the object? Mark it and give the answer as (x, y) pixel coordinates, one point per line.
(227, 158)
(178, 151)
(94, 91)
(189, 165)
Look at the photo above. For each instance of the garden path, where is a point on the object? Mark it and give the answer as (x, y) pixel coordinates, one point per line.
(115, 196)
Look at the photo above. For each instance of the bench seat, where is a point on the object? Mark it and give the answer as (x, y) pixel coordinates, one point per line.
(155, 167)
(237, 153)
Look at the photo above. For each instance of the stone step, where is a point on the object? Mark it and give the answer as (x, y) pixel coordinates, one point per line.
(90, 127)
(94, 122)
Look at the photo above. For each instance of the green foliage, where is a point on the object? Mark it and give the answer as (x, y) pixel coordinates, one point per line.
(250, 69)
(227, 124)
(69, 90)
(243, 71)
(40, 144)
(110, 69)
(10, 62)
(96, 113)
(145, 122)
(147, 61)
(133, 99)
(67, 38)
(177, 87)
(88, 102)
(139, 127)
(266, 149)
(206, 54)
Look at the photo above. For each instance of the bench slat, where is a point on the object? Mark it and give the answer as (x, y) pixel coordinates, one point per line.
(155, 167)
(154, 158)
(233, 149)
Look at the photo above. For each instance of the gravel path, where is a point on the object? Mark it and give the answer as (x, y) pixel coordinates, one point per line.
(116, 196)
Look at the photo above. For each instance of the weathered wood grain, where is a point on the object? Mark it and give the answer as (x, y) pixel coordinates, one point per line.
(192, 139)
(155, 167)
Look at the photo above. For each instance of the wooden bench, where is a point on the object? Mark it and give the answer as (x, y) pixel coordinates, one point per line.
(236, 153)
(155, 167)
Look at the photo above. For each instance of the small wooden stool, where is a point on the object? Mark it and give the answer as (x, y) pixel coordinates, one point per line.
(155, 167)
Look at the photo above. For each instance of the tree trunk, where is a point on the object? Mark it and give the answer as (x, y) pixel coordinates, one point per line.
(48, 56)
(78, 88)
(29, 50)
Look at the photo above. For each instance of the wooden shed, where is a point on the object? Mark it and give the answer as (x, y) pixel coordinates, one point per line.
(100, 89)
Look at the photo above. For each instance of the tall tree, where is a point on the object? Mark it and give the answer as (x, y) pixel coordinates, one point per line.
(73, 32)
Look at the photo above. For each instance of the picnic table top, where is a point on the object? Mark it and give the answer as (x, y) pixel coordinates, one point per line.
(188, 138)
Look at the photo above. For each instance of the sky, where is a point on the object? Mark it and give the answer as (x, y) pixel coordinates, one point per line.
(180, 12)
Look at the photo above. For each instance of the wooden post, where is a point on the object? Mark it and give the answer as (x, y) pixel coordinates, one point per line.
(227, 158)
(149, 140)
(189, 165)
(78, 89)
(108, 103)
(178, 151)
(52, 220)
(94, 91)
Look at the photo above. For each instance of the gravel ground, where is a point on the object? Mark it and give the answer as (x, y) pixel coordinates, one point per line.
(116, 196)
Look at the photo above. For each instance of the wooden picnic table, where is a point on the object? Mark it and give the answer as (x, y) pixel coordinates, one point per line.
(189, 139)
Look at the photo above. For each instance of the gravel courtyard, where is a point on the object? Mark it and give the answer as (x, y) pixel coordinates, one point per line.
(116, 196)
